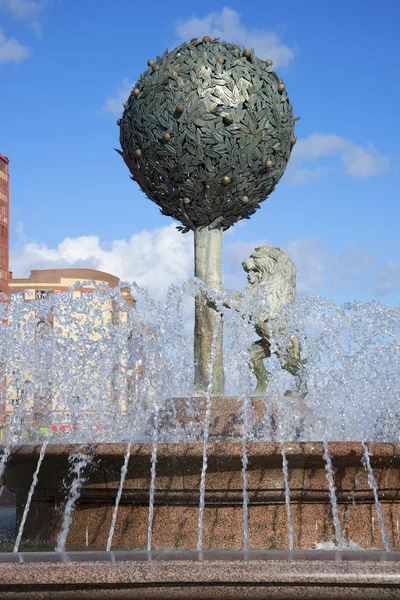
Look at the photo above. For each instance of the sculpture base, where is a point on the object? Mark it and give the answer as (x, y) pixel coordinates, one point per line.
(176, 503)
(184, 418)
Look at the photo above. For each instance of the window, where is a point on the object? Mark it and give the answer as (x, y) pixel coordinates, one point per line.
(3, 234)
(3, 214)
(3, 258)
(40, 294)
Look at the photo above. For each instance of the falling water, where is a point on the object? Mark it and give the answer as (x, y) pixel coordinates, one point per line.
(14, 428)
(152, 483)
(152, 493)
(374, 487)
(3, 462)
(45, 368)
(153, 476)
(239, 323)
(124, 470)
(205, 437)
(28, 502)
(287, 496)
(246, 407)
(167, 330)
(352, 353)
(79, 462)
(7, 449)
(332, 494)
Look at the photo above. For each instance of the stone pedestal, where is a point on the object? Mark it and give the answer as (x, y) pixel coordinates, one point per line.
(177, 495)
(184, 418)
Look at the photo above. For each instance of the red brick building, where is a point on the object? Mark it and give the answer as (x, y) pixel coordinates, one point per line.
(4, 224)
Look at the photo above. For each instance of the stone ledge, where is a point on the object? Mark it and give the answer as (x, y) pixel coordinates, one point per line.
(224, 575)
(222, 497)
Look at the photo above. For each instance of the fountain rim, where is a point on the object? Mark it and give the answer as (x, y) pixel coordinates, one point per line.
(168, 575)
(233, 448)
(214, 555)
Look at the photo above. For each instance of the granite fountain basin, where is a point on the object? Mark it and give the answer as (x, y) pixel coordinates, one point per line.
(176, 500)
(173, 568)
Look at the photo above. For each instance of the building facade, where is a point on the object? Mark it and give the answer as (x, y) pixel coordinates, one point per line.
(105, 314)
(50, 281)
(38, 285)
(4, 224)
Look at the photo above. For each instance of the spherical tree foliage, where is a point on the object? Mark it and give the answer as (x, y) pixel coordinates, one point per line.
(207, 132)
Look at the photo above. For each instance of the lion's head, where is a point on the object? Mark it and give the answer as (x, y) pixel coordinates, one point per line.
(272, 268)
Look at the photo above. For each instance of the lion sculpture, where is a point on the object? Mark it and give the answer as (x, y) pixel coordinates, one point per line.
(273, 269)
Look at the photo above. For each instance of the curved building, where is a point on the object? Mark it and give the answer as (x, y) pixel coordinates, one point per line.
(48, 281)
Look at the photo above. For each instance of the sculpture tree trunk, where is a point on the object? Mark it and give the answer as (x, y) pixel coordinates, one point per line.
(207, 267)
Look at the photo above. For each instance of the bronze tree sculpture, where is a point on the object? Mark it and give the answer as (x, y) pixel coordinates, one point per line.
(207, 133)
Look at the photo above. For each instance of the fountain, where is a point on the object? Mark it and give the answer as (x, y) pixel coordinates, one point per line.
(147, 462)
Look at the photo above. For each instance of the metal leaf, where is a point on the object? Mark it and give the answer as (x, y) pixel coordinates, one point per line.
(202, 148)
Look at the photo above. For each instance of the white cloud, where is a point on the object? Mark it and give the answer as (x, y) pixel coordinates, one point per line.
(317, 145)
(161, 257)
(19, 229)
(300, 175)
(154, 259)
(357, 268)
(11, 50)
(308, 255)
(158, 258)
(25, 10)
(227, 26)
(113, 104)
(364, 161)
(388, 278)
(318, 268)
(352, 265)
(358, 161)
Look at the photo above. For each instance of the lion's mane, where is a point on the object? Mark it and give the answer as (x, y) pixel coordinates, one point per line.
(272, 268)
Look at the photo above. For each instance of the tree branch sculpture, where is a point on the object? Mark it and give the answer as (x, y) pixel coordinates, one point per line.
(207, 133)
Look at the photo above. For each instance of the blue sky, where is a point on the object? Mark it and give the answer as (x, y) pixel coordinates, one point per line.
(65, 68)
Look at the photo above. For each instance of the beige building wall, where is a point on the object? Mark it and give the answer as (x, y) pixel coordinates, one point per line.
(59, 280)
(52, 281)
